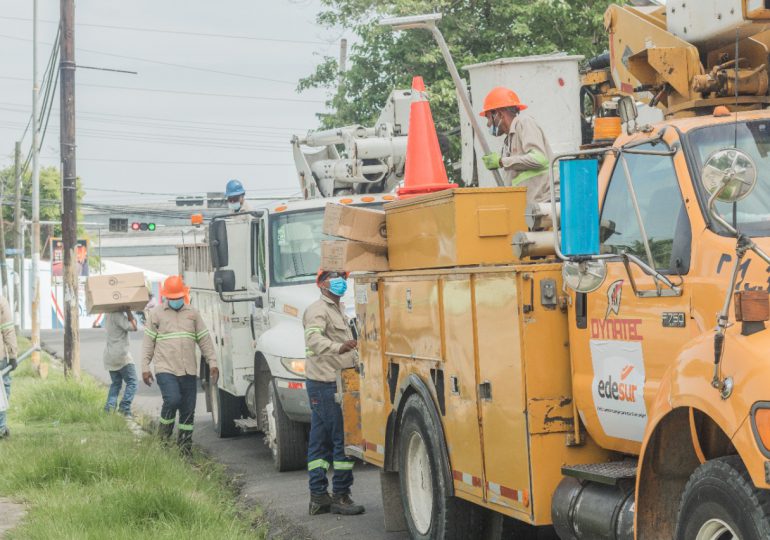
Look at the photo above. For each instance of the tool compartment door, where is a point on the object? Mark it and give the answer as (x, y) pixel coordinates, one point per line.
(373, 404)
(501, 391)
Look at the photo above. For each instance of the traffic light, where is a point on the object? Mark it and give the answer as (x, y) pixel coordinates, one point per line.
(118, 225)
(142, 226)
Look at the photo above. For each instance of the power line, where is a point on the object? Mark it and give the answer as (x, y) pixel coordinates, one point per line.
(182, 92)
(169, 120)
(162, 63)
(179, 32)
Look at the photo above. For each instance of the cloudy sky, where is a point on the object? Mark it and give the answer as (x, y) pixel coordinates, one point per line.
(214, 97)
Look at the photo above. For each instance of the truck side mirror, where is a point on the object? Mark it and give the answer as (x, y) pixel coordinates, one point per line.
(579, 180)
(218, 243)
(224, 281)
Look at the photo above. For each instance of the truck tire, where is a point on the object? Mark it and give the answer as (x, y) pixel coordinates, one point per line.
(225, 408)
(720, 501)
(286, 439)
(431, 513)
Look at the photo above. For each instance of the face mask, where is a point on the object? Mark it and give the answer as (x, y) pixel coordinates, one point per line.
(494, 129)
(176, 304)
(338, 286)
(234, 206)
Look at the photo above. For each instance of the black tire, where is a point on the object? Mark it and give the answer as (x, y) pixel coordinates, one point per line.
(721, 489)
(289, 445)
(225, 408)
(448, 518)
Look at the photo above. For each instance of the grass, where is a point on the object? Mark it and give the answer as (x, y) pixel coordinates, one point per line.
(84, 475)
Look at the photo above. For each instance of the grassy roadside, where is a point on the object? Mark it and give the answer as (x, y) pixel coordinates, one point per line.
(84, 475)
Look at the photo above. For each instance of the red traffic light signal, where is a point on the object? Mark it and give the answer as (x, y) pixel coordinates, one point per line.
(142, 226)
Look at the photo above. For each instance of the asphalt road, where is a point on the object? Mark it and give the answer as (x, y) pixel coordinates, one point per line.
(284, 496)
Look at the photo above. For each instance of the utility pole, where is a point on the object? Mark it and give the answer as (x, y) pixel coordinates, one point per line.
(3, 256)
(18, 228)
(69, 188)
(35, 198)
(343, 59)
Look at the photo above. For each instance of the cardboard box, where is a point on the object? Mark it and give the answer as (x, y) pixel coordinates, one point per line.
(116, 292)
(351, 256)
(356, 223)
(108, 300)
(116, 281)
(455, 227)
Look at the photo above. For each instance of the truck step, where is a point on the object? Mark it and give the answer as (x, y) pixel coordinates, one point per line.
(247, 424)
(604, 473)
(354, 451)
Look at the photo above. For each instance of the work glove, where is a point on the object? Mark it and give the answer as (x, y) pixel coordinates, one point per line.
(491, 161)
(13, 363)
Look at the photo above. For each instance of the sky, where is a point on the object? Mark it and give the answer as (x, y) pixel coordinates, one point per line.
(226, 109)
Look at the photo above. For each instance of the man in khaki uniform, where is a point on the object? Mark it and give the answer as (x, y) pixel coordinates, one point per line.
(9, 359)
(329, 346)
(170, 335)
(526, 154)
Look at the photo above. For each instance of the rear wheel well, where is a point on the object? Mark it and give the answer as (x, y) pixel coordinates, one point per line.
(680, 443)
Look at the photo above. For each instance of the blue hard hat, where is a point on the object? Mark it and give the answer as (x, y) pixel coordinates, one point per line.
(234, 188)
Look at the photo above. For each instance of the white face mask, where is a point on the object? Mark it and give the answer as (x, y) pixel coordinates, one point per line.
(234, 206)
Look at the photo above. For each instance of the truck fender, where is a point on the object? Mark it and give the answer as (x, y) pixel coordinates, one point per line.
(286, 339)
(688, 425)
(413, 384)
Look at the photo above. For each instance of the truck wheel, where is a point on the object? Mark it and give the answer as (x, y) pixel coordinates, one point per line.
(286, 439)
(225, 408)
(431, 514)
(720, 502)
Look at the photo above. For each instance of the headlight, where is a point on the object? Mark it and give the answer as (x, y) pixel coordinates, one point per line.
(294, 365)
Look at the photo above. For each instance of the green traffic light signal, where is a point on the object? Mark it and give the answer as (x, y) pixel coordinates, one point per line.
(150, 226)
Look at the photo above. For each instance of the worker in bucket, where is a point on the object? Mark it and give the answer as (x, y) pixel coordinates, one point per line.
(172, 331)
(9, 358)
(526, 154)
(118, 361)
(329, 347)
(236, 197)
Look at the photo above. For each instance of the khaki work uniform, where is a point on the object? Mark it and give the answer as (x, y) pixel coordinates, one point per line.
(326, 330)
(526, 159)
(170, 337)
(10, 350)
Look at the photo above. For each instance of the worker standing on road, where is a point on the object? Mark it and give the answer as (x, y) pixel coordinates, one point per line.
(236, 197)
(526, 154)
(11, 349)
(118, 360)
(170, 335)
(329, 346)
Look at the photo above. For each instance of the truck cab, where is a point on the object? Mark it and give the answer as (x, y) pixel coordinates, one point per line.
(642, 344)
(261, 277)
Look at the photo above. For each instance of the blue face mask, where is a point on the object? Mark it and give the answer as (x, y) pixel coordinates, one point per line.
(338, 286)
(176, 303)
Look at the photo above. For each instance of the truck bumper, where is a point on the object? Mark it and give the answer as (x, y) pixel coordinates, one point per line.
(293, 396)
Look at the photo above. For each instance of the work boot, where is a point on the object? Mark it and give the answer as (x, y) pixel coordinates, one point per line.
(319, 504)
(343, 504)
(5, 433)
(184, 440)
(165, 431)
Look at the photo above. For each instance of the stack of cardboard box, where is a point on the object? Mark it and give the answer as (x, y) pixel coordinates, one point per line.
(365, 244)
(116, 292)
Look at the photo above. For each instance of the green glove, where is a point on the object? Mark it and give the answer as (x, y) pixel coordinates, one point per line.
(491, 161)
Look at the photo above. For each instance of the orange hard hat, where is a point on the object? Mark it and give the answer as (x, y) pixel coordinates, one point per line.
(501, 97)
(324, 272)
(174, 288)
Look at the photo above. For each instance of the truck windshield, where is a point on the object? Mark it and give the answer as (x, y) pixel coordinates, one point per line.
(296, 246)
(753, 213)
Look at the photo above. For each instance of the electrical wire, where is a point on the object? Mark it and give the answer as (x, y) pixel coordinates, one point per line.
(177, 32)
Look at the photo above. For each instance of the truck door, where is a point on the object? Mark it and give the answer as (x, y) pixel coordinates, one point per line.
(626, 334)
(259, 277)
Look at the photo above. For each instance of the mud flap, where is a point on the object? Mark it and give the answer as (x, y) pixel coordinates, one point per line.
(392, 504)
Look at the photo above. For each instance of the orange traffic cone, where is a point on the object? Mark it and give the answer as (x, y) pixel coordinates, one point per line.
(424, 170)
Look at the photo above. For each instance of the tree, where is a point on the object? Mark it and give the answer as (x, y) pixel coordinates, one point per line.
(476, 31)
(50, 204)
